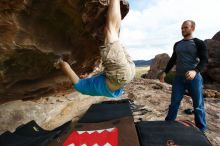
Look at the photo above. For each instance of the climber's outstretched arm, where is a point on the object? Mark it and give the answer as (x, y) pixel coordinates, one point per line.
(113, 22)
(69, 72)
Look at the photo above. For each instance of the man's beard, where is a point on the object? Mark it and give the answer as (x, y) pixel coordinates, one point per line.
(186, 35)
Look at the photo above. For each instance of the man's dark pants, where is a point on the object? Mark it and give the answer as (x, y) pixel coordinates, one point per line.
(195, 88)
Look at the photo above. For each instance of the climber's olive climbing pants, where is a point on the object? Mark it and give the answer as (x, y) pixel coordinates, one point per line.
(118, 65)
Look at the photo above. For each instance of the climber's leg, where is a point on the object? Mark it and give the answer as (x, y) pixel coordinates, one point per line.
(113, 22)
(119, 68)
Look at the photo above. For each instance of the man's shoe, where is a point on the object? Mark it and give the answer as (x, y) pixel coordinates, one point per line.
(206, 132)
(189, 111)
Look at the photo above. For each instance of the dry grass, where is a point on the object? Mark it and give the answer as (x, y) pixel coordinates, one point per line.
(141, 70)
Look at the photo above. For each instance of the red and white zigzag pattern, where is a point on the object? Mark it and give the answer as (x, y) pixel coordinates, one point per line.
(107, 144)
(105, 137)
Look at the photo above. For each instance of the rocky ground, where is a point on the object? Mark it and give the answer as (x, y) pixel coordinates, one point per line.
(151, 99)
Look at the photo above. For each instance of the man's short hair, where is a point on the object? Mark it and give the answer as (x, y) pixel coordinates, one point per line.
(191, 21)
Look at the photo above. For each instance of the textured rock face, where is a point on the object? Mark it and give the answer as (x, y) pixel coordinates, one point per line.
(34, 33)
(159, 64)
(217, 36)
(213, 69)
(49, 111)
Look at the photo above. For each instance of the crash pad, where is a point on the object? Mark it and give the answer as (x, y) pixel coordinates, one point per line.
(127, 135)
(107, 111)
(31, 134)
(160, 133)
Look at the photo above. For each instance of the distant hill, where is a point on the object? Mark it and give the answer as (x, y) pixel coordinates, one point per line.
(140, 63)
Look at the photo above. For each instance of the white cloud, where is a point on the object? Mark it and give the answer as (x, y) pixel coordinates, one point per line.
(154, 29)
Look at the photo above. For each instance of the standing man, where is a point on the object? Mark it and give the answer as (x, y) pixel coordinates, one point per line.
(119, 69)
(190, 56)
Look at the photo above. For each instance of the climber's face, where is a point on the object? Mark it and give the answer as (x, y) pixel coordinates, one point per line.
(187, 28)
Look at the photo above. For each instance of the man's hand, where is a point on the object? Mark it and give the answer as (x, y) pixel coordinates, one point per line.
(190, 75)
(162, 77)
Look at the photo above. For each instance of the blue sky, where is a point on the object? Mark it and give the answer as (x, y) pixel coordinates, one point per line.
(153, 26)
